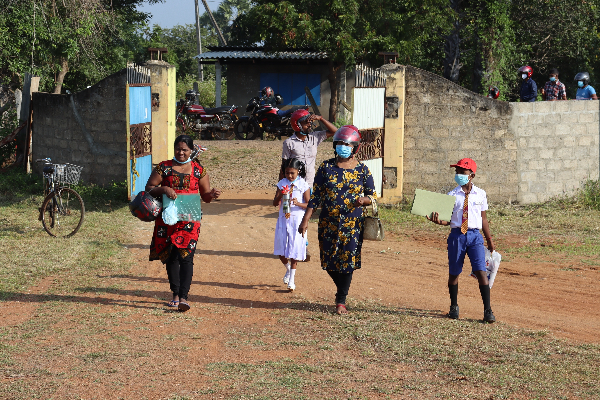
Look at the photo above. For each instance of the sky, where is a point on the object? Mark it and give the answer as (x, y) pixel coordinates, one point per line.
(176, 12)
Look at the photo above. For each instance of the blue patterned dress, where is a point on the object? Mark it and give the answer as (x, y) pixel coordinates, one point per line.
(341, 224)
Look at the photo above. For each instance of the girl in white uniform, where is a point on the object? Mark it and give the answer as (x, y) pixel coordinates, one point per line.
(290, 246)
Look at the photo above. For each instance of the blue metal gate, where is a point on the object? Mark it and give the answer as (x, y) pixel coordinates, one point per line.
(139, 101)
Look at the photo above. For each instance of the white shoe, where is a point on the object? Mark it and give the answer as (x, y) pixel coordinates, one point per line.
(291, 287)
(286, 278)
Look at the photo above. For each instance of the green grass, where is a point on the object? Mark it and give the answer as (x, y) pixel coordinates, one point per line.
(95, 325)
(438, 358)
(30, 254)
(567, 226)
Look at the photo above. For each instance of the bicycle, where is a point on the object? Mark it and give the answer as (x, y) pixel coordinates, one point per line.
(62, 210)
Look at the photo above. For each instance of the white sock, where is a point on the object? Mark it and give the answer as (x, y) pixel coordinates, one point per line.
(287, 272)
(292, 274)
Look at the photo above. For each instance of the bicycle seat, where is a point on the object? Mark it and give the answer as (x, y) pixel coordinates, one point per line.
(49, 169)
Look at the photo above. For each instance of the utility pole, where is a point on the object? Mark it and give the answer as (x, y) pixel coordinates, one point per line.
(198, 34)
(212, 19)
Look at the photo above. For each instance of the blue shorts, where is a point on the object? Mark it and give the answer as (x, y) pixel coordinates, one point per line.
(470, 244)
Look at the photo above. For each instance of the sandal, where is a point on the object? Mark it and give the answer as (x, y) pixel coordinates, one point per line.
(183, 306)
(173, 303)
(341, 309)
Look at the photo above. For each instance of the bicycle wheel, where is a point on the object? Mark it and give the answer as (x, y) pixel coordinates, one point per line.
(63, 212)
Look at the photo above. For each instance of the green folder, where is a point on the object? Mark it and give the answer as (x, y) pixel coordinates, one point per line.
(426, 203)
(188, 206)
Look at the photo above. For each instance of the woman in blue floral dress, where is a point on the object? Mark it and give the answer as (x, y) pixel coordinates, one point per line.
(342, 186)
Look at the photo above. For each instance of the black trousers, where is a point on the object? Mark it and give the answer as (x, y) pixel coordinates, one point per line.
(342, 283)
(180, 271)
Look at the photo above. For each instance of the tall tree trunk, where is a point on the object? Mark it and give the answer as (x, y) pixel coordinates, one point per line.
(64, 68)
(452, 63)
(334, 88)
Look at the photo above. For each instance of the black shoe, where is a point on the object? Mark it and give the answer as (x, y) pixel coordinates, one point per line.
(453, 312)
(488, 316)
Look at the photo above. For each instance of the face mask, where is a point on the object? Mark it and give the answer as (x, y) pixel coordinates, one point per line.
(343, 151)
(524, 76)
(184, 162)
(580, 83)
(461, 179)
(552, 79)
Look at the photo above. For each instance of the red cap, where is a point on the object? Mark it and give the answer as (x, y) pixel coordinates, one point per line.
(466, 163)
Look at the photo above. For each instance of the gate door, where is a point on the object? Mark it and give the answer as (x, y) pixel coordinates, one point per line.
(368, 116)
(139, 130)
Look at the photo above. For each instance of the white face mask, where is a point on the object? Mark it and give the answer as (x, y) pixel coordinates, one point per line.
(524, 76)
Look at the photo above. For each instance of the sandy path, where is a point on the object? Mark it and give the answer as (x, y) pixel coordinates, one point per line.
(234, 267)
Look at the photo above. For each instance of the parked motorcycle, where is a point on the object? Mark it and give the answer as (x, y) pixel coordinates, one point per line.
(208, 123)
(265, 118)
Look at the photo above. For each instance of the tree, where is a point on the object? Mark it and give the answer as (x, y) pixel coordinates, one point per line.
(85, 39)
(349, 31)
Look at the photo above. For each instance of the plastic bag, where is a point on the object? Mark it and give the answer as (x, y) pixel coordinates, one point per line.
(492, 263)
(169, 214)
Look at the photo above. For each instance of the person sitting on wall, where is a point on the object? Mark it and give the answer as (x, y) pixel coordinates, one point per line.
(584, 90)
(528, 90)
(554, 89)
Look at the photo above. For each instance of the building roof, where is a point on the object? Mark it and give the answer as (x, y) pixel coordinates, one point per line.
(232, 52)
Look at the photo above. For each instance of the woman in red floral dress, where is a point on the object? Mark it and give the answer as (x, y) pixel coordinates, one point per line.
(175, 244)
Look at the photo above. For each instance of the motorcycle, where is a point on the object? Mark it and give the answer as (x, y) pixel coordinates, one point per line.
(208, 123)
(265, 118)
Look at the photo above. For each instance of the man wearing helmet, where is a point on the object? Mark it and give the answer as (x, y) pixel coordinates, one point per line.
(267, 96)
(528, 90)
(584, 90)
(303, 143)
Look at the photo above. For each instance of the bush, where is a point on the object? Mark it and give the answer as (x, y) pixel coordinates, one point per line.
(589, 195)
(206, 90)
(16, 183)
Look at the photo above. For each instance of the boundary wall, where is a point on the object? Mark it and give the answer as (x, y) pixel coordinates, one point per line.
(87, 128)
(525, 152)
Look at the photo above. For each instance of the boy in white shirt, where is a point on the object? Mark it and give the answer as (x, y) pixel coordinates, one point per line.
(468, 218)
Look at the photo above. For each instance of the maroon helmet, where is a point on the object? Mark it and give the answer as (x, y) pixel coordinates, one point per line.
(267, 91)
(297, 118)
(493, 92)
(145, 207)
(348, 134)
(526, 70)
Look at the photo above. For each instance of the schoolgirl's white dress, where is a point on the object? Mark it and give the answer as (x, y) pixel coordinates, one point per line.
(288, 242)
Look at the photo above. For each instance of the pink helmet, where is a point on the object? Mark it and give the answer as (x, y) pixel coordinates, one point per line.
(348, 134)
(297, 118)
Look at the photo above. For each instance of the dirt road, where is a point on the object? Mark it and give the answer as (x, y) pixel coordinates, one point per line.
(235, 267)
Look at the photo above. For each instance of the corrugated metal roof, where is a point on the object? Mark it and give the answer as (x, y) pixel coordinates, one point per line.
(250, 54)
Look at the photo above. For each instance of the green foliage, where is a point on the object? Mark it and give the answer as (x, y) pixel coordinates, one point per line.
(589, 195)
(16, 184)
(8, 123)
(206, 89)
(88, 38)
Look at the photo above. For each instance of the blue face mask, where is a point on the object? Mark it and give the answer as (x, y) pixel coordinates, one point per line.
(580, 83)
(343, 151)
(184, 162)
(461, 179)
(552, 79)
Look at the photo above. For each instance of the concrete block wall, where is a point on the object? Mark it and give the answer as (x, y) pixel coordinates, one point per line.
(443, 123)
(88, 128)
(558, 147)
(525, 152)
